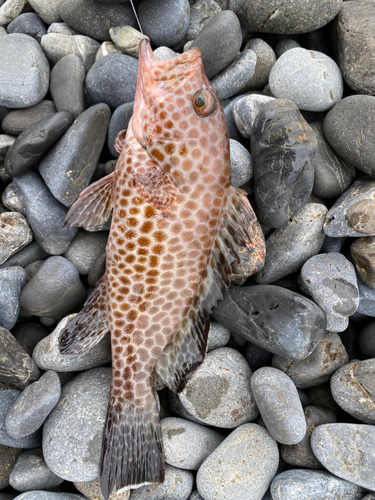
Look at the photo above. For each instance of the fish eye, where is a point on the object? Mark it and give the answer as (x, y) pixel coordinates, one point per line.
(204, 102)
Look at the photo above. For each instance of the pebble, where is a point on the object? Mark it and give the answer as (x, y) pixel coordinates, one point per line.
(281, 191)
(300, 454)
(328, 356)
(54, 290)
(285, 44)
(97, 269)
(127, 39)
(91, 490)
(366, 299)
(353, 389)
(10, 10)
(274, 318)
(112, 80)
(223, 475)
(355, 146)
(33, 406)
(235, 76)
(106, 49)
(219, 41)
(28, 24)
(47, 353)
(48, 10)
(30, 253)
(362, 251)
(12, 200)
(96, 18)
(44, 214)
(290, 246)
(15, 234)
(300, 484)
(48, 495)
(31, 472)
(178, 484)
(331, 281)
(201, 12)
(62, 28)
(18, 120)
(57, 45)
(289, 18)
(8, 457)
(28, 334)
(266, 58)
(218, 336)
(7, 398)
(335, 445)
(33, 143)
(68, 167)
(245, 110)
(67, 85)
(256, 356)
(194, 496)
(241, 168)
(279, 405)
(353, 33)
(85, 248)
(18, 369)
(164, 54)
(119, 121)
(366, 340)
(6, 142)
(12, 281)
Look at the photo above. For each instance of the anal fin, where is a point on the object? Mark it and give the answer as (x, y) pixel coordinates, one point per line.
(89, 326)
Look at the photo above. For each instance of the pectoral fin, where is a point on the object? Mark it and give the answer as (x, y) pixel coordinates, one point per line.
(156, 187)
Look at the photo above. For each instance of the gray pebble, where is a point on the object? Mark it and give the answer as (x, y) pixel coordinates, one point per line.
(201, 12)
(328, 356)
(290, 246)
(106, 49)
(366, 299)
(218, 336)
(285, 44)
(266, 58)
(362, 251)
(331, 244)
(256, 356)
(119, 121)
(241, 168)
(85, 248)
(218, 393)
(62, 28)
(31, 473)
(12, 281)
(164, 53)
(6, 142)
(97, 269)
(27, 83)
(225, 475)
(48, 495)
(127, 39)
(47, 353)
(232, 128)
(28, 24)
(10, 10)
(366, 340)
(8, 457)
(331, 281)
(245, 110)
(7, 398)
(57, 45)
(177, 485)
(26, 256)
(18, 120)
(335, 445)
(13, 200)
(194, 496)
(15, 234)
(33, 406)
(279, 405)
(48, 10)
(29, 334)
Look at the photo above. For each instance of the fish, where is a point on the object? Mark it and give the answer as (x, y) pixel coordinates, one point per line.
(177, 226)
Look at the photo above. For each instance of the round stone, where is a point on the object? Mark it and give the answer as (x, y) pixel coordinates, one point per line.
(48, 10)
(48, 495)
(92, 490)
(58, 45)
(30, 253)
(18, 120)
(29, 334)
(10, 10)
(241, 168)
(127, 39)
(265, 59)
(62, 28)
(12, 281)
(8, 457)
(218, 336)
(245, 110)
(106, 49)
(363, 252)
(201, 12)
(28, 24)
(85, 249)
(177, 485)
(285, 44)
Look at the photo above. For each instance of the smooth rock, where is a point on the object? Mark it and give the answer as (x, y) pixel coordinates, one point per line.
(274, 318)
(12, 199)
(24, 76)
(10, 10)
(201, 12)
(47, 353)
(119, 121)
(6, 142)
(68, 167)
(62, 28)
(97, 269)
(48, 10)
(28, 24)
(335, 445)
(223, 475)
(241, 168)
(177, 485)
(366, 340)
(12, 281)
(266, 58)
(127, 39)
(328, 356)
(30, 253)
(164, 53)
(218, 336)
(8, 457)
(18, 120)
(256, 356)
(106, 49)
(362, 251)
(245, 110)
(57, 45)
(285, 44)
(15, 234)
(48, 495)
(366, 304)
(67, 85)
(85, 248)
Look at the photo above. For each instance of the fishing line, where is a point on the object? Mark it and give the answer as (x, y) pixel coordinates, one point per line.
(139, 24)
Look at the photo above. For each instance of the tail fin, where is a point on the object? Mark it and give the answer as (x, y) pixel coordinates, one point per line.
(132, 451)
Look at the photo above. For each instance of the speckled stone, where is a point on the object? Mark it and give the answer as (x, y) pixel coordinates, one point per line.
(164, 53)
(48, 10)
(266, 58)
(12, 281)
(48, 495)
(62, 28)
(328, 356)
(222, 475)
(47, 353)
(28, 23)
(127, 39)
(18, 120)
(178, 484)
(245, 110)
(57, 45)
(8, 457)
(362, 251)
(241, 169)
(10, 10)
(92, 491)
(201, 12)
(15, 234)
(335, 445)
(218, 336)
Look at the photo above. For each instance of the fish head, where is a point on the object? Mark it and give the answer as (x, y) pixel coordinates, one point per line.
(178, 117)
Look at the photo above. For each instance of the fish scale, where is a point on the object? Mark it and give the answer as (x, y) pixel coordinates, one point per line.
(177, 225)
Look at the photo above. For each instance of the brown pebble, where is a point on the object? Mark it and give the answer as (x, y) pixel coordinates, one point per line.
(363, 253)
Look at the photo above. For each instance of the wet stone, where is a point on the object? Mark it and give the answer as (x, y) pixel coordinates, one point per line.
(241, 165)
(300, 454)
(219, 41)
(67, 84)
(68, 167)
(265, 60)
(200, 13)
(8, 457)
(48, 10)
(85, 248)
(335, 445)
(218, 393)
(218, 336)
(29, 334)
(28, 24)
(112, 80)
(290, 246)
(222, 475)
(328, 356)
(186, 444)
(17, 368)
(33, 406)
(32, 473)
(245, 110)
(119, 121)
(353, 389)
(33, 143)
(12, 281)
(178, 484)
(279, 405)
(300, 484)
(18, 120)
(15, 234)
(7, 398)
(279, 196)
(127, 39)
(362, 251)
(24, 79)
(366, 340)
(295, 324)
(47, 353)
(331, 281)
(57, 45)
(366, 304)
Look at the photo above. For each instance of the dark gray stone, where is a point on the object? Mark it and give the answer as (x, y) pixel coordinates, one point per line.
(24, 73)
(12, 281)
(355, 146)
(291, 245)
(232, 128)
(33, 143)
(8, 457)
(45, 214)
(331, 244)
(56, 46)
(285, 44)
(178, 484)
(18, 120)
(28, 24)
(245, 110)
(30, 253)
(335, 445)
(67, 85)
(266, 58)
(366, 340)
(219, 41)
(241, 168)
(112, 80)
(16, 367)
(29, 334)
(274, 318)
(362, 251)
(366, 299)
(97, 269)
(119, 121)
(54, 290)
(256, 356)
(95, 18)
(15, 234)
(283, 175)
(68, 167)
(85, 249)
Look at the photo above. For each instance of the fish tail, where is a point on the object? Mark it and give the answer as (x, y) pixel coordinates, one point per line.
(132, 451)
